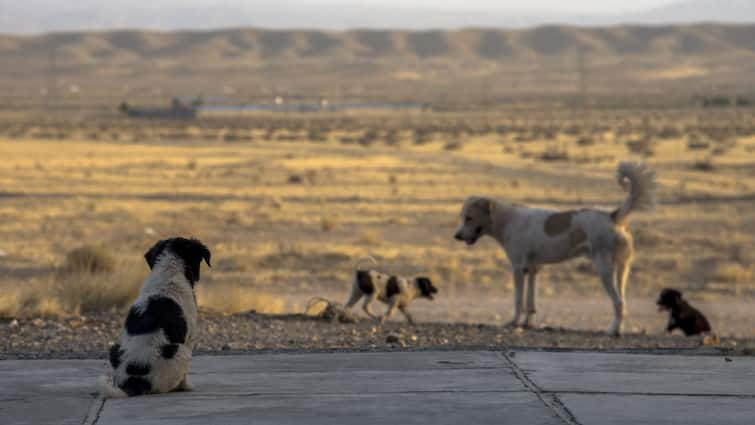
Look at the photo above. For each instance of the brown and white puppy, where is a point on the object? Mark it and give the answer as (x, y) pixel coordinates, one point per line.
(681, 314)
(154, 350)
(534, 237)
(397, 292)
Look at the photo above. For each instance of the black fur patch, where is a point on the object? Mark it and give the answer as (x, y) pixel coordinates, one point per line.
(161, 313)
(364, 281)
(168, 351)
(391, 287)
(138, 369)
(154, 252)
(191, 251)
(115, 356)
(426, 287)
(136, 385)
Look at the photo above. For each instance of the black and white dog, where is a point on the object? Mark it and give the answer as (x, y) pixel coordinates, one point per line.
(397, 292)
(154, 351)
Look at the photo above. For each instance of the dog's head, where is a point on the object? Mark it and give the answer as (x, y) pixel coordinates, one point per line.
(190, 251)
(476, 219)
(425, 287)
(668, 299)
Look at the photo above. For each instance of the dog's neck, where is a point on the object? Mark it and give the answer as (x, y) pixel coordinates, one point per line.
(169, 268)
(500, 214)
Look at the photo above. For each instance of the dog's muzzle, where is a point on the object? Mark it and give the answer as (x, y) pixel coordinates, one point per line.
(469, 241)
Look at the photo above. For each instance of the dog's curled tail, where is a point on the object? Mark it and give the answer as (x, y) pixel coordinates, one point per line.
(108, 389)
(639, 180)
(361, 260)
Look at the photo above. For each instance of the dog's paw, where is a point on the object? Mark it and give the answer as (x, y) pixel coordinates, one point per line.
(511, 324)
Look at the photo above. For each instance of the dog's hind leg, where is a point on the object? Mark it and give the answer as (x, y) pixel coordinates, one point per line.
(518, 292)
(356, 294)
(604, 265)
(529, 312)
(622, 275)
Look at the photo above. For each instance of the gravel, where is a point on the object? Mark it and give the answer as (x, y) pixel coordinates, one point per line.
(90, 336)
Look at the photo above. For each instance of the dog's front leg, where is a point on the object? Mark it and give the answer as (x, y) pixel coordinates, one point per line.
(518, 293)
(184, 385)
(404, 309)
(529, 313)
(391, 309)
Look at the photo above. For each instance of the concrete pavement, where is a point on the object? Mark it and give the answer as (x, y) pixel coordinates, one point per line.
(439, 387)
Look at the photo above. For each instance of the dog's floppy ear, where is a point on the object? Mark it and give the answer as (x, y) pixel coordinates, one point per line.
(669, 296)
(485, 204)
(192, 252)
(151, 255)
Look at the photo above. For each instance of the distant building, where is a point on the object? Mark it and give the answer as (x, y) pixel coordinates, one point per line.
(178, 110)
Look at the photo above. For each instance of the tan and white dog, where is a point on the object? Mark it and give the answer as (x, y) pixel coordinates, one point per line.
(533, 237)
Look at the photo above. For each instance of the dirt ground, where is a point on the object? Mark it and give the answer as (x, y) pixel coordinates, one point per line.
(288, 205)
(566, 324)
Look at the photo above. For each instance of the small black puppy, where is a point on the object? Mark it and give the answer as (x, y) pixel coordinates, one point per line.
(681, 314)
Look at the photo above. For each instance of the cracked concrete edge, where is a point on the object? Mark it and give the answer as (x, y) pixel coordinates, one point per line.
(95, 409)
(550, 400)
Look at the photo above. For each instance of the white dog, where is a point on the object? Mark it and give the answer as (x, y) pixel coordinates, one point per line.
(154, 351)
(533, 237)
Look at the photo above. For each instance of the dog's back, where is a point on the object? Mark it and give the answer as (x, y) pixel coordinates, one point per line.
(153, 353)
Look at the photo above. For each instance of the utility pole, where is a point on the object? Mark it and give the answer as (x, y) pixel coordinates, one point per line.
(51, 78)
(581, 76)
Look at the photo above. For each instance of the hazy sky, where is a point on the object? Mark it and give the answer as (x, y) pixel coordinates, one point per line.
(569, 6)
(560, 6)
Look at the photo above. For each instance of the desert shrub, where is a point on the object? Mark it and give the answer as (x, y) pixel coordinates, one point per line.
(328, 223)
(696, 143)
(88, 259)
(554, 153)
(705, 164)
(64, 294)
(642, 146)
(733, 272)
(586, 140)
(453, 146)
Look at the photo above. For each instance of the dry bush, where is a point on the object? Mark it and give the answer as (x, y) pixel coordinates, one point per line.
(64, 294)
(642, 146)
(554, 153)
(88, 259)
(328, 223)
(234, 298)
(369, 238)
(453, 146)
(705, 165)
(733, 272)
(586, 140)
(696, 143)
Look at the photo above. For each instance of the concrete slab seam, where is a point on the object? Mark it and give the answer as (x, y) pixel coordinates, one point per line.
(93, 415)
(550, 400)
(652, 394)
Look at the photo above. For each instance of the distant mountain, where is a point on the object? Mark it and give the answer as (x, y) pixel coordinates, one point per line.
(400, 65)
(36, 16)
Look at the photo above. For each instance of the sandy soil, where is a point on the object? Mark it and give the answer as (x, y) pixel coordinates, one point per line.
(569, 323)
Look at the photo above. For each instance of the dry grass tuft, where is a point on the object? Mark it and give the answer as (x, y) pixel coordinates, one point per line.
(89, 259)
(61, 294)
(234, 298)
(733, 272)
